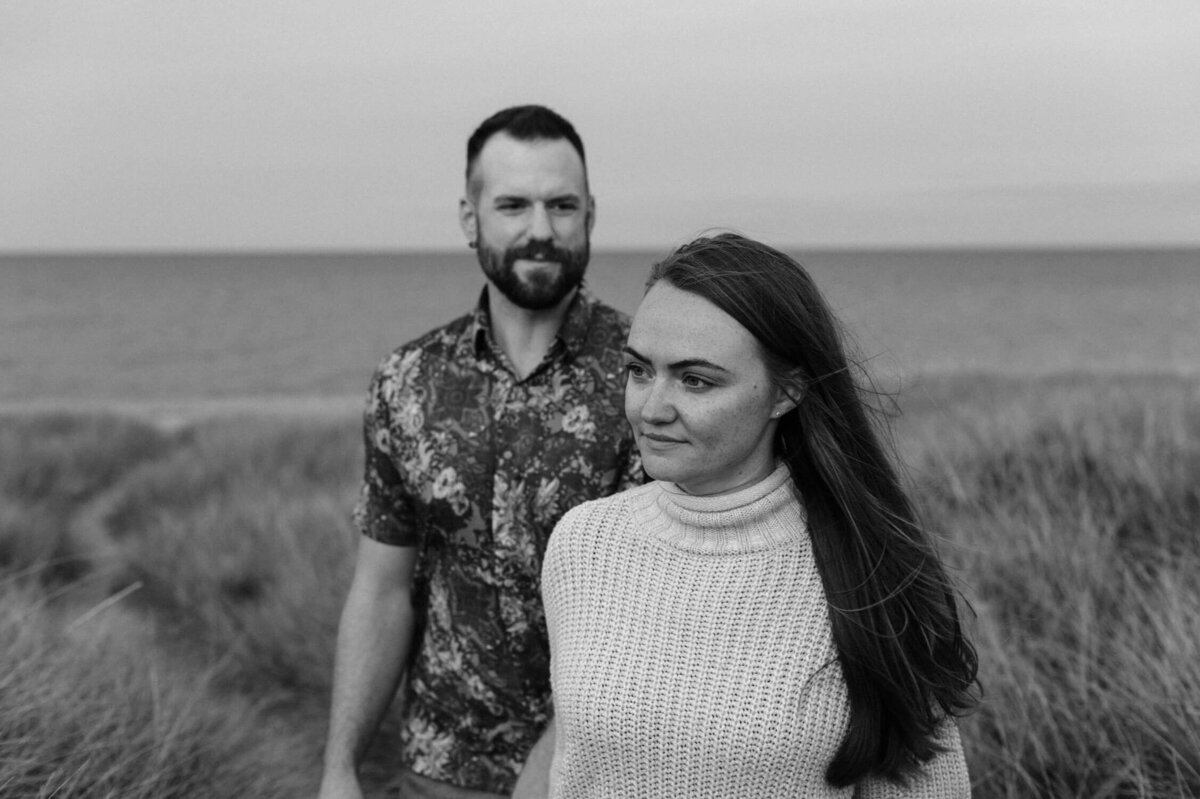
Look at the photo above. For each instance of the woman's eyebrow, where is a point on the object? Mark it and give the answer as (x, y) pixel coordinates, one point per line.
(686, 363)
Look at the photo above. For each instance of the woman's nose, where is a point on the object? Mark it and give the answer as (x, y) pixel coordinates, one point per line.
(658, 405)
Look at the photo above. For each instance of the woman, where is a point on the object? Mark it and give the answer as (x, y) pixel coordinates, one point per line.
(767, 618)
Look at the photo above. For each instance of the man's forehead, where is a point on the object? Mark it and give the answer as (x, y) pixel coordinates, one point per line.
(508, 165)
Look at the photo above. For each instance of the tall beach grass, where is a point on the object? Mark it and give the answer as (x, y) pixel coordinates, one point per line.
(89, 707)
(241, 537)
(1069, 511)
(51, 466)
(1072, 513)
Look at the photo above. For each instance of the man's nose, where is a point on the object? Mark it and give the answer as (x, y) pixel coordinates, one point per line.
(540, 228)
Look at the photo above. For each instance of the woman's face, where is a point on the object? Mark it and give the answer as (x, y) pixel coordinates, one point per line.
(699, 397)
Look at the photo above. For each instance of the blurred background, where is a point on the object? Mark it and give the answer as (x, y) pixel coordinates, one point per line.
(228, 199)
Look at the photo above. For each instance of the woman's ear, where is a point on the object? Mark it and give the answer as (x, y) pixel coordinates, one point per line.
(790, 395)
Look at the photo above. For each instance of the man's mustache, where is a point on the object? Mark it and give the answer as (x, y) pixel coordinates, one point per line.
(537, 251)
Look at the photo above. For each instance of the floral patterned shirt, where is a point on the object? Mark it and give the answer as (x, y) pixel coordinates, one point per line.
(474, 467)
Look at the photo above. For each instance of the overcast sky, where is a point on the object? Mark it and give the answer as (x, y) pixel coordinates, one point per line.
(341, 124)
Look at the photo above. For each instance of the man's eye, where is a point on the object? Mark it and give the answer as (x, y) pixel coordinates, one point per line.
(693, 381)
(635, 370)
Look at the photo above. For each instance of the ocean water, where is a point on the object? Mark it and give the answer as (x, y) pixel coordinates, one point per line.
(122, 328)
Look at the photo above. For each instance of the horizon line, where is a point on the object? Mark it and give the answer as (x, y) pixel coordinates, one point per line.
(82, 252)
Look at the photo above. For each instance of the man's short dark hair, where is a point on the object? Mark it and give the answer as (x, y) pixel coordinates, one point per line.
(523, 123)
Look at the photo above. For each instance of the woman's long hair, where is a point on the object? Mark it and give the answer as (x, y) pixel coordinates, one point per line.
(892, 607)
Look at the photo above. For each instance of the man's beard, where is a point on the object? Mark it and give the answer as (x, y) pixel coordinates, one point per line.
(541, 290)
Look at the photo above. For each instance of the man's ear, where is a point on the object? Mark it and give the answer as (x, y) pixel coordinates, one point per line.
(591, 213)
(468, 220)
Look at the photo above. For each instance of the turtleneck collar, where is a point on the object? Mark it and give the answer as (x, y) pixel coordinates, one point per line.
(761, 516)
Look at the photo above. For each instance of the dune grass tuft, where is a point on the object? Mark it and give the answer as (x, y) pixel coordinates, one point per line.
(53, 464)
(244, 543)
(95, 710)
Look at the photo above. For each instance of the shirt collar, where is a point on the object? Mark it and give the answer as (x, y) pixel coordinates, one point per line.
(572, 335)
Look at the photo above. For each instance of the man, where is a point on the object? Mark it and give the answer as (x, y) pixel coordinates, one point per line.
(479, 436)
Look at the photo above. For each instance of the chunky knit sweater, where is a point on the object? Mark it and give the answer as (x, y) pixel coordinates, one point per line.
(691, 653)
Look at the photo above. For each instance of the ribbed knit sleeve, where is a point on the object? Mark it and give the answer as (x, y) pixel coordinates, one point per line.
(943, 776)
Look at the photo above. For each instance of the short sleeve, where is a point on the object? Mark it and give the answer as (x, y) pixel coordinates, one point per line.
(384, 511)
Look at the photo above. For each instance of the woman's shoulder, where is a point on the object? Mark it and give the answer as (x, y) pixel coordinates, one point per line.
(587, 536)
(597, 522)
(614, 505)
